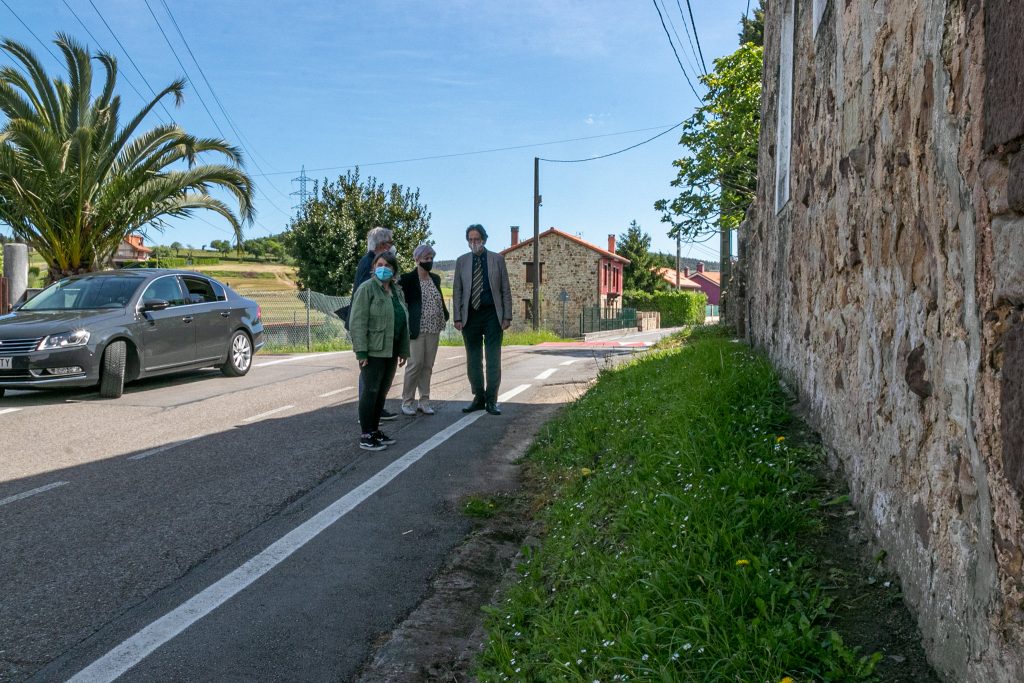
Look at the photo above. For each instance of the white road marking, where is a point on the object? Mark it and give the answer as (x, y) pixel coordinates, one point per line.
(461, 355)
(26, 494)
(512, 393)
(547, 373)
(269, 412)
(161, 449)
(294, 358)
(9, 410)
(569, 362)
(336, 391)
(132, 651)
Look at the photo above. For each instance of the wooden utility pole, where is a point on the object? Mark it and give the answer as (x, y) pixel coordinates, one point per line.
(536, 243)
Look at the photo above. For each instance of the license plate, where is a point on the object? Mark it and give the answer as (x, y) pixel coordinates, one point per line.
(5, 363)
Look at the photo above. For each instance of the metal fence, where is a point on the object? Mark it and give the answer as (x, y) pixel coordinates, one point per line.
(598, 319)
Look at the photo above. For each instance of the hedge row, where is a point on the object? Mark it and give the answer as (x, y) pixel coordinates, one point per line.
(173, 262)
(676, 308)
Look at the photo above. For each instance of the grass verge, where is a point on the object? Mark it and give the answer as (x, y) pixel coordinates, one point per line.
(678, 526)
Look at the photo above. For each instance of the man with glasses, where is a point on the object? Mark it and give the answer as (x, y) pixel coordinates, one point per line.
(482, 311)
(378, 241)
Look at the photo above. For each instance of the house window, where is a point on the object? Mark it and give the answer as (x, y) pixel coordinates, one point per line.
(529, 272)
(784, 131)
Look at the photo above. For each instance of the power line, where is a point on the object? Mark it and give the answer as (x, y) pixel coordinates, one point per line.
(200, 96)
(184, 70)
(130, 60)
(686, 29)
(695, 36)
(611, 154)
(38, 39)
(673, 46)
(100, 46)
(465, 154)
(220, 105)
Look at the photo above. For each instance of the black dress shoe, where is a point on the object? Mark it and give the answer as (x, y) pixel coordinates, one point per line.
(474, 406)
(493, 409)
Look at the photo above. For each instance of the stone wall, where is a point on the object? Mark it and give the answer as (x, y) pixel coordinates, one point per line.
(889, 290)
(566, 265)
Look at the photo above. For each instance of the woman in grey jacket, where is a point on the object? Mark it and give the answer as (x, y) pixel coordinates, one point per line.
(379, 327)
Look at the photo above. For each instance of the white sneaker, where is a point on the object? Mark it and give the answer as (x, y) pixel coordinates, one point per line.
(408, 410)
(425, 408)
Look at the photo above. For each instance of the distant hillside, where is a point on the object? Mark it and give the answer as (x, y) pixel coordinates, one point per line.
(669, 261)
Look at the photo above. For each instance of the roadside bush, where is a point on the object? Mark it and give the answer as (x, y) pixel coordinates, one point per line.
(676, 308)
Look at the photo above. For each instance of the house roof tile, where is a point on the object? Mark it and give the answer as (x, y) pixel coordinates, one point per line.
(577, 240)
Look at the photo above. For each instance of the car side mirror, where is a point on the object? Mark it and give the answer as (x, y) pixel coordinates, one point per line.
(155, 304)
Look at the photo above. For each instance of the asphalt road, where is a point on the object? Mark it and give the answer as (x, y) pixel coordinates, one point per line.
(204, 528)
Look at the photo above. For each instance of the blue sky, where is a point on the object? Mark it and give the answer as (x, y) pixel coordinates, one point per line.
(328, 85)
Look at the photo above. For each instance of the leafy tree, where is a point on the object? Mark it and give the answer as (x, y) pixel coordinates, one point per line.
(752, 27)
(718, 176)
(74, 182)
(635, 245)
(223, 246)
(177, 247)
(328, 237)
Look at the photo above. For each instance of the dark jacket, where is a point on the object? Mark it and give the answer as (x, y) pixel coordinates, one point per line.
(363, 270)
(410, 283)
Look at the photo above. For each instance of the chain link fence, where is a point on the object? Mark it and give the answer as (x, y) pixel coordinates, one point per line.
(293, 321)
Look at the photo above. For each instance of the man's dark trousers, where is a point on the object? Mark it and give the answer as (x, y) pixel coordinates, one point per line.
(483, 329)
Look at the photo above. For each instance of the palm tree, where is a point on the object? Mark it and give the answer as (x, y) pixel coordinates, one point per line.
(73, 184)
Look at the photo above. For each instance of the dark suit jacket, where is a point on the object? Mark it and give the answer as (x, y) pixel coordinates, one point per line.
(410, 283)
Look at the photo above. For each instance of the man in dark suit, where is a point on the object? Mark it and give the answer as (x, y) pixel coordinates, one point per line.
(482, 310)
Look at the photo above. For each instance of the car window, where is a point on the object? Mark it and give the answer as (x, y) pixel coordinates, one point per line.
(218, 289)
(87, 292)
(200, 291)
(165, 288)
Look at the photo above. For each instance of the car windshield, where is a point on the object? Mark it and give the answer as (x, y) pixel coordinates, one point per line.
(85, 293)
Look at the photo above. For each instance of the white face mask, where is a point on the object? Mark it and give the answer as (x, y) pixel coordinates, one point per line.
(476, 247)
(391, 250)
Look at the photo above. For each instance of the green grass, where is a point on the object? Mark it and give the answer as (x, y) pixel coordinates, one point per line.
(318, 347)
(676, 519)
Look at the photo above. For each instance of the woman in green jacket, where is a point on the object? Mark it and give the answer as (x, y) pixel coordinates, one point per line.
(379, 327)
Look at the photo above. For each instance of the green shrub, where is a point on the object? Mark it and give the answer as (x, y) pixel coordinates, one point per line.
(206, 261)
(676, 308)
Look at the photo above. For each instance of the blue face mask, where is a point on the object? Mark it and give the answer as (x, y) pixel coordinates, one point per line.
(383, 273)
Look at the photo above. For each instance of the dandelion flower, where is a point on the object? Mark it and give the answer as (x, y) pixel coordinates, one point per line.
(780, 439)
(586, 471)
(787, 679)
(742, 563)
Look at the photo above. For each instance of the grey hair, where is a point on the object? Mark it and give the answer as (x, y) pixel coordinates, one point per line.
(376, 237)
(422, 250)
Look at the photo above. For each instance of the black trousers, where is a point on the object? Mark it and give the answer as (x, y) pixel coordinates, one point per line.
(376, 377)
(482, 335)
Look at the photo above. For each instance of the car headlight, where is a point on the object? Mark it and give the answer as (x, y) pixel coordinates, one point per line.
(64, 340)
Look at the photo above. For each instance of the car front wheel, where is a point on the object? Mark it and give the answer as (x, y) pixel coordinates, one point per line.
(239, 355)
(112, 373)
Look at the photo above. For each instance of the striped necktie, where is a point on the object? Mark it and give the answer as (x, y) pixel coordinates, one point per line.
(477, 291)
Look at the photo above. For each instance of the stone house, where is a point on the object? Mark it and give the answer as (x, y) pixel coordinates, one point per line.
(883, 273)
(588, 275)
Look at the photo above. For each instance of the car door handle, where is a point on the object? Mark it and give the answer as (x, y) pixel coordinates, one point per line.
(225, 314)
(187, 319)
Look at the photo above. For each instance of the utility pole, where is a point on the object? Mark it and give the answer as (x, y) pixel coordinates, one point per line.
(302, 192)
(679, 255)
(536, 243)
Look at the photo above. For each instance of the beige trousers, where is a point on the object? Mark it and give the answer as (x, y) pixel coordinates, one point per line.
(422, 352)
